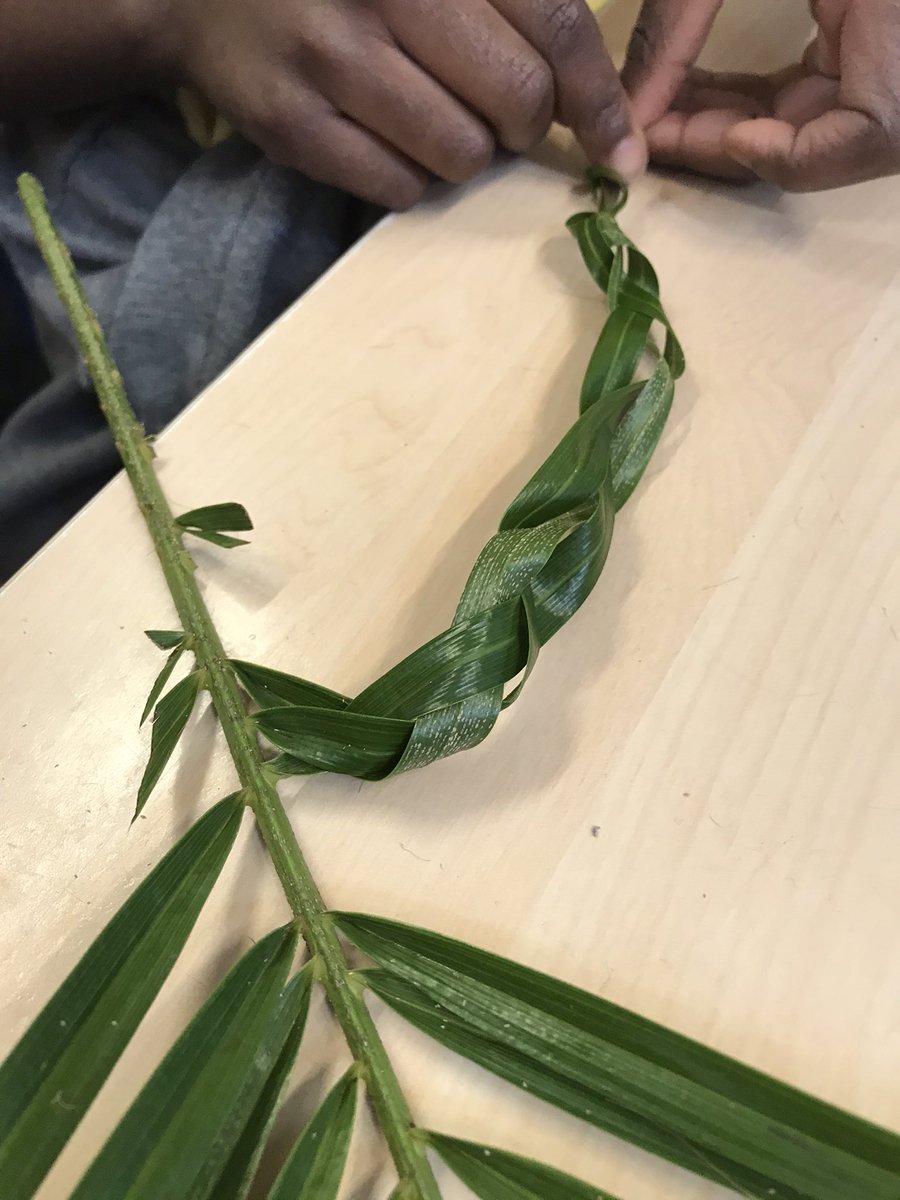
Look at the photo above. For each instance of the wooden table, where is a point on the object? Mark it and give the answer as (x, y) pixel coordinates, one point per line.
(695, 808)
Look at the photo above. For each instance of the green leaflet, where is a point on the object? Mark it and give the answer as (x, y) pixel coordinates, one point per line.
(225, 540)
(217, 517)
(165, 639)
(316, 1164)
(211, 522)
(51, 1077)
(180, 1132)
(282, 766)
(237, 1176)
(172, 715)
(161, 680)
(532, 576)
(270, 689)
(625, 1074)
(494, 1174)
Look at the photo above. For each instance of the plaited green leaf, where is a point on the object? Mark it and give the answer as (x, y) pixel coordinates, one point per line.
(532, 576)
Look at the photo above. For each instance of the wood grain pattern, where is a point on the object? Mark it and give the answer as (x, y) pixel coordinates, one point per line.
(695, 807)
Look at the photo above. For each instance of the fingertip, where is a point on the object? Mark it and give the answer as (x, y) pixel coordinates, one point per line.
(616, 140)
(650, 99)
(630, 156)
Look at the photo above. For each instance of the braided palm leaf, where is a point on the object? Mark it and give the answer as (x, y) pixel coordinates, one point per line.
(532, 575)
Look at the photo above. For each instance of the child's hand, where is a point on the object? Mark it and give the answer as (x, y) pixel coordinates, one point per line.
(375, 96)
(830, 121)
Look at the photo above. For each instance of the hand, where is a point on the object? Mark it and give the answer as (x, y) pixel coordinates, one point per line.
(376, 96)
(831, 120)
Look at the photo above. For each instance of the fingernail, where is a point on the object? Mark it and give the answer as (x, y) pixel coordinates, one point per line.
(629, 157)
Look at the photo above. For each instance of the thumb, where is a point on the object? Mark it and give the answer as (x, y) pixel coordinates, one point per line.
(666, 41)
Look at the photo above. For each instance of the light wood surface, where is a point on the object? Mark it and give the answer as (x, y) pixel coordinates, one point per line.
(695, 808)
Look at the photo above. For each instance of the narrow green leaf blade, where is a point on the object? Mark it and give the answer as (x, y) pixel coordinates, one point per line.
(237, 1177)
(179, 1133)
(316, 1164)
(616, 356)
(161, 680)
(539, 1079)
(51, 1077)
(272, 689)
(597, 255)
(172, 715)
(639, 432)
(494, 1174)
(217, 517)
(577, 469)
(218, 539)
(625, 1074)
(285, 765)
(165, 639)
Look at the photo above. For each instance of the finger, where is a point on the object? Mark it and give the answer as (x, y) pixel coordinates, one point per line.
(664, 45)
(756, 90)
(824, 53)
(301, 130)
(794, 94)
(842, 147)
(696, 142)
(590, 98)
(696, 97)
(806, 98)
(473, 51)
(383, 90)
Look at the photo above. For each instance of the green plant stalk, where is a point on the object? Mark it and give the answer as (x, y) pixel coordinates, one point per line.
(303, 895)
